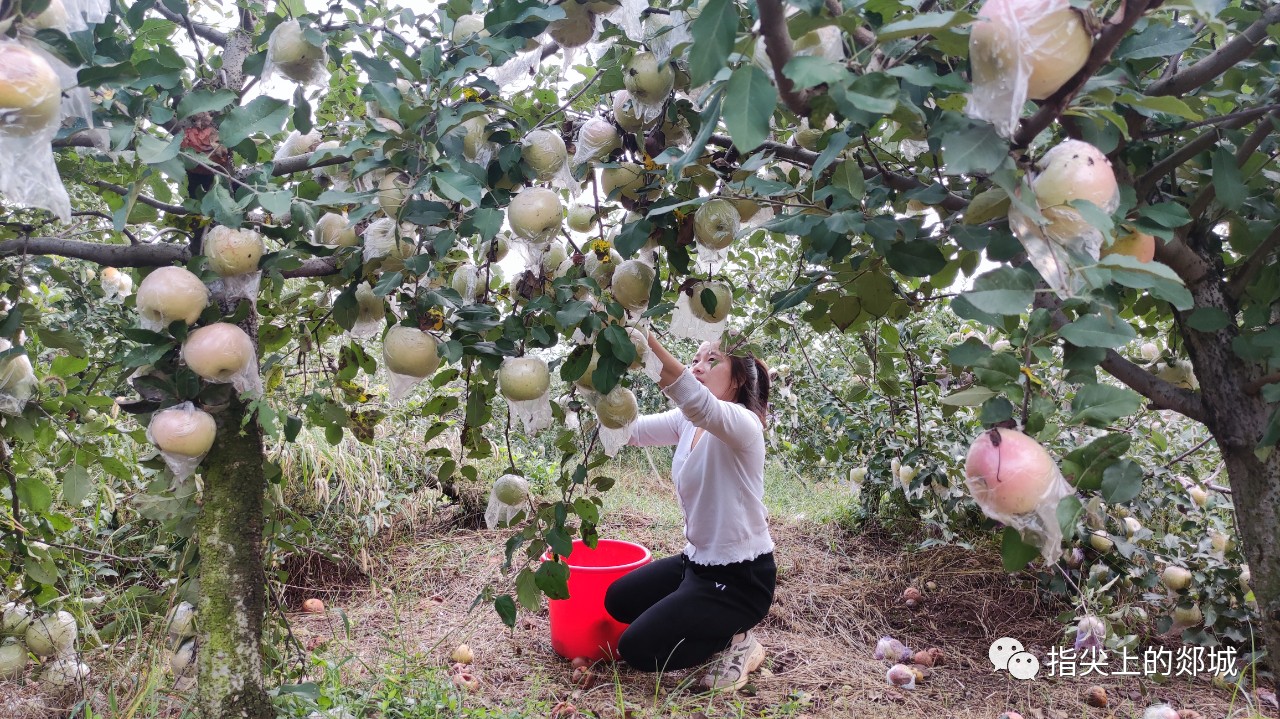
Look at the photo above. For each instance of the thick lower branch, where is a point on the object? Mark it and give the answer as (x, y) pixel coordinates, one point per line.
(1162, 394)
(106, 255)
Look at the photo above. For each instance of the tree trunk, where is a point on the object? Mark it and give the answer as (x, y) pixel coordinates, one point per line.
(232, 580)
(1238, 421)
(1255, 491)
(233, 598)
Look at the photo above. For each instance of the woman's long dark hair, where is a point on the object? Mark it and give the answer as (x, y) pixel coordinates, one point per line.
(752, 378)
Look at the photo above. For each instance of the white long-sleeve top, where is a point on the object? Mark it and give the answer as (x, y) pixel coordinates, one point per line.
(720, 482)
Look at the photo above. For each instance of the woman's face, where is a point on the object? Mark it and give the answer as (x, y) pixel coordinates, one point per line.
(713, 369)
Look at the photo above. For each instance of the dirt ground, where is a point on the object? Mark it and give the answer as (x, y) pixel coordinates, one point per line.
(837, 594)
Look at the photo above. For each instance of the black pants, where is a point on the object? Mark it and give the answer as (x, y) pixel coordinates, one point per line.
(682, 613)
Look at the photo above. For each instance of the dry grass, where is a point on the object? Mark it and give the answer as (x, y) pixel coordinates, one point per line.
(837, 593)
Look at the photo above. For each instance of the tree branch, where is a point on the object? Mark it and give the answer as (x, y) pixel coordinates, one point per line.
(777, 45)
(298, 163)
(205, 31)
(800, 156)
(1219, 61)
(124, 192)
(154, 255)
(1129, 13)
(149, 255)
(1243, 152)
(1241, 114)
(1203, 141)
(1163, 395)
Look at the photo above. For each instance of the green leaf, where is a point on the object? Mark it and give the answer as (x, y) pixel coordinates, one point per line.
(1015, 553)
(527, 590)
(875, 93)
(1003, 291)
(277, 203)
(204, 101)
(990, 204)
(848, 177)
(713, 35)
(1208, 319)
(262, 115)
(506, 608)
(915, 258)
(458, 187)
(1156, 40)
(1099, 331)
(1083, 466)
(1069, 510)
(155, 151)
(977, 150)
(1164, 103)
(806, 71)
(1099, 405)
(971, 397)
(76, 485)
(1228, 185)
(34, 495)
(1155, 276)
(553, 579)
(1166, 214)
(754, 100)
(1121, 482)
(925, 24)
(67, 366)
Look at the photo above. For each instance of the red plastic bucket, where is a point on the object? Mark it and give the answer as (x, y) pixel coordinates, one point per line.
(580, 626)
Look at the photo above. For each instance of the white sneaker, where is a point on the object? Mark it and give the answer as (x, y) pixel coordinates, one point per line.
(744, 655)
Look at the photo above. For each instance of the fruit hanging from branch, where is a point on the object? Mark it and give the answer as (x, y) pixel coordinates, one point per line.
(1073, 171)
(30, 93)
(535, 214)
(223, 353)
(1015, 481)
(290, 52)
(1020, 49)
(170, 294)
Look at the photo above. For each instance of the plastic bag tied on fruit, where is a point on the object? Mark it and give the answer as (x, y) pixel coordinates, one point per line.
(476, 145)
(507, 498)
(684, 323)
(1067, 242)
(17, 381)
(1002, 73)
(297, 144)
(612, 439)
(182, 423)
(370, 314)
(596, 139)
(382, 239)
(399, 385)
(28, 175)
(291, 54)
(1038, 524)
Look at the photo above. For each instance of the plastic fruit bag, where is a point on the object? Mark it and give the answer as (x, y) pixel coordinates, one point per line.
(184, 435)
(507, 498)
(17, 381)
(1020, 49)
(30, 111)
(292, 55)
(1015, 481)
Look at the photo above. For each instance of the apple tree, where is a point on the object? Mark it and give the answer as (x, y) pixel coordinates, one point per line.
(338, 175)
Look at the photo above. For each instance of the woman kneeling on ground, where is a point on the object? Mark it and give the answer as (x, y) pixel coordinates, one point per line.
(685, 609)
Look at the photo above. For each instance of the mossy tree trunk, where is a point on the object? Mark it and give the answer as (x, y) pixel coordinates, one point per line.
(232, 578)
